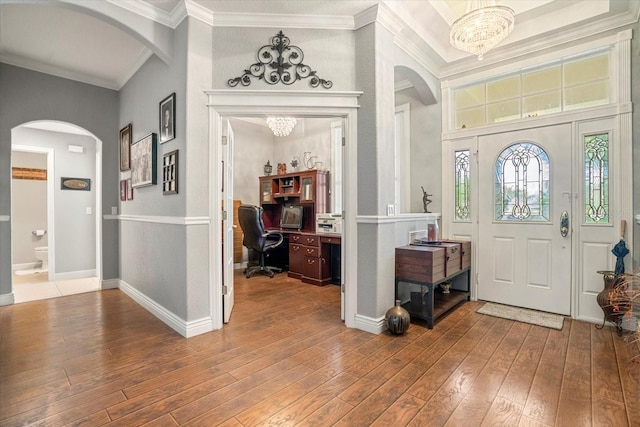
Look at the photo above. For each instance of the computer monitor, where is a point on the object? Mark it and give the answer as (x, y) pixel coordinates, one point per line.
(291, 217)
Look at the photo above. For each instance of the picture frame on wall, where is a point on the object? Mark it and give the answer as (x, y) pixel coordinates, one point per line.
(75, 184)
(170, 173)
(144, 166)
(167, 118)
(123, 190)
(129, 189)
(125, 148)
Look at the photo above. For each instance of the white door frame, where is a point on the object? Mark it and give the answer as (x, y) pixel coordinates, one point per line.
(51, 190)
(248, 103)
(51, 274)
(620, 177)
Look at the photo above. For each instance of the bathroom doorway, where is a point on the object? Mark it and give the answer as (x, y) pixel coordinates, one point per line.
(44, 156)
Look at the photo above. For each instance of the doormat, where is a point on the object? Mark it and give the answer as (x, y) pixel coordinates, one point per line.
(540, 318)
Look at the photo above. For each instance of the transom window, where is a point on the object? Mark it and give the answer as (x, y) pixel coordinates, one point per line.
(522, 183)
(552, 88)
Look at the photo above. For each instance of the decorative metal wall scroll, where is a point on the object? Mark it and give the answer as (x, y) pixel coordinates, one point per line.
(280, 62)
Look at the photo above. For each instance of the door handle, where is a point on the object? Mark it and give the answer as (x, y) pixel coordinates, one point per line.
(564, 223)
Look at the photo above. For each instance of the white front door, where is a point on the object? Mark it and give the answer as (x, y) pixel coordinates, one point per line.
(525, 186)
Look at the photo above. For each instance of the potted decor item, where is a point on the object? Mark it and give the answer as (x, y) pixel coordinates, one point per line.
(397, 319)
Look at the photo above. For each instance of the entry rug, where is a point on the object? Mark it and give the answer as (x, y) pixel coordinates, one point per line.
(540, 318)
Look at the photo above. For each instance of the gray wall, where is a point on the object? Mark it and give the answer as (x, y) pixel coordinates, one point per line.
(27, 96)
(153, 255)
(253, 146)
(29, 208)
(75, 230)
(328, 52)
(426, 150)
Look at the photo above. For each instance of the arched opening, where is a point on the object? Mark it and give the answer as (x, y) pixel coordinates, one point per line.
(56, 201)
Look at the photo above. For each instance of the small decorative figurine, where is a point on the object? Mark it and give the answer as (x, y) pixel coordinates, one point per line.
(268, 168)
(426, 200)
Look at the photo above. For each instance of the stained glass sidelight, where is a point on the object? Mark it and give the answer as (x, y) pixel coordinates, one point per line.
(596, 178)
(462, 179)
(522, 183)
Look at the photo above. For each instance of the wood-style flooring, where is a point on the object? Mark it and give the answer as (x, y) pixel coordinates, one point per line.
(287, 359)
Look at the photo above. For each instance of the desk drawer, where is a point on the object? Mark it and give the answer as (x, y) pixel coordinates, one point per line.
(310, 240)
(296, 257)
(311, 251)
(315, 270)
(295, 238)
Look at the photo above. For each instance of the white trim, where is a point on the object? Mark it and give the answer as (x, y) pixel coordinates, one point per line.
(540, 121)
(638, 219)
(187, 329)
(5, 218)
(110, 284)
(274, 20)
(300, 103)
(80, 274)
(40, 67)
(7, 299)
(402, 85)
(402, 154)
(145, 10)
(406, 217)
(51, 229)
(175, 220)
(369, 324)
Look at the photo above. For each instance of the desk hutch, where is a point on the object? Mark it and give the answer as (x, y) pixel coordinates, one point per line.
(310, 253)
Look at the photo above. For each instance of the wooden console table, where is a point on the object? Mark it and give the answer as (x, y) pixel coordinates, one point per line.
(419, 271)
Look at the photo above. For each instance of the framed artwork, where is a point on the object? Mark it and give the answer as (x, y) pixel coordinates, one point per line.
(170, 173)
(125, 148)
(129, 189)
(167, 118)
(144, 166)
(123, 190)
(78, 184)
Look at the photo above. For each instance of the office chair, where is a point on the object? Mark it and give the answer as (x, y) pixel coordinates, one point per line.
(257, 239)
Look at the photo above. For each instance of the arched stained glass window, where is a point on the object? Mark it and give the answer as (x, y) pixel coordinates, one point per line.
(522, 183)
(462, 179)
(596, 177)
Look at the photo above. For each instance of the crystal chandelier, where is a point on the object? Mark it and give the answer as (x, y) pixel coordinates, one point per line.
(281, 126)
(482, 27)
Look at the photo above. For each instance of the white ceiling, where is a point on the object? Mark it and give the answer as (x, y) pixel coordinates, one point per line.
(56, 37)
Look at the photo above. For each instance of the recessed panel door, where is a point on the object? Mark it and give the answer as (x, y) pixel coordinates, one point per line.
(525, 218)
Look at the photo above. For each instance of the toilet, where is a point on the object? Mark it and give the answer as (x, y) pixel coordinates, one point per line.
(42, 254)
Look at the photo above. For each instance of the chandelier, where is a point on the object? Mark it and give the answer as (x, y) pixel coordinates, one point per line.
(482, 27)
(281, 126)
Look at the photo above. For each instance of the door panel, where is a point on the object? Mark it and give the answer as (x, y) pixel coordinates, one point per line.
(227, 225)
(523, 259)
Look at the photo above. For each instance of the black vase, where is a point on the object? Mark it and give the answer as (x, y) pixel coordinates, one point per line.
(397, 319)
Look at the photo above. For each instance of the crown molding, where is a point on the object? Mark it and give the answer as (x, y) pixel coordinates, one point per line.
(30, 64)
(143, 56)
(402, 85)
(195, 10)
(145, 10)
(271, 20)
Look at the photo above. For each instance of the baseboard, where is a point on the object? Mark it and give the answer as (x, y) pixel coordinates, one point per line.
(71, 275)
(111, 284)
(184, 328)
(368, 324)
(240, 265)
(7, 299)
(25, 266)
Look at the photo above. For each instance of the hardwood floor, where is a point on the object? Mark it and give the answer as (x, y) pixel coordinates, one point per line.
(286, 359)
